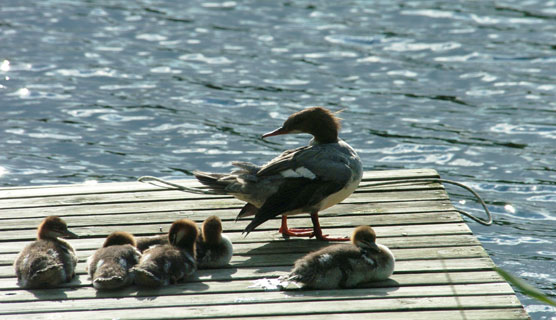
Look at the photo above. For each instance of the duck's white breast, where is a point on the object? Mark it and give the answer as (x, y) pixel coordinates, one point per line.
(340, 195)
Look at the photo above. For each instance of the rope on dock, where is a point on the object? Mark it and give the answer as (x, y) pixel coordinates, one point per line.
(486, 222)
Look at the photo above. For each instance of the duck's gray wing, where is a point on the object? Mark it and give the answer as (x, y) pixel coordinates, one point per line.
(286, 160)
(326, 162)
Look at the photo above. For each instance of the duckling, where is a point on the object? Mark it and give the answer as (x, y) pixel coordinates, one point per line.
(169, 263)
(144, 243)
(109, 267)
(214, 250)
(49, 261)
(345, 265)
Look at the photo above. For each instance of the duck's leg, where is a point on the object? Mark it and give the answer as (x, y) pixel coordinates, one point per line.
(293, 232)
(318, 231)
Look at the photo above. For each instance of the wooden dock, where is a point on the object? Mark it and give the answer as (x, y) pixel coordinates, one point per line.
(442, 271)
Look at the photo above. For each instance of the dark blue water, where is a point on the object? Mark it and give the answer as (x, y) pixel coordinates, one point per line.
(112, 90)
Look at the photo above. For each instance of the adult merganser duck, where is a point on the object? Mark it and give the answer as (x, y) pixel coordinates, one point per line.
(345, 265)
(49, 261)
(109, 267)
(214, 249)
(306, 179)
(169, 263)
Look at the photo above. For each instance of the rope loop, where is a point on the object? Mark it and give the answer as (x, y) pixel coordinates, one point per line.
(486, 222)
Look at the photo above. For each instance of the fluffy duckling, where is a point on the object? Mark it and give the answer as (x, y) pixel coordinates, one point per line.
(109, 267)
(169, 263)
(144, 243)
(345, 265)
(214, 250)
(49, 261)
(303, 180)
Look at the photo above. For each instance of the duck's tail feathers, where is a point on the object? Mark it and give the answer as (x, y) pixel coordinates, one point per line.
(247, 210)
(212, 180)
(247, 167)
(145, 278)
(112, 276)
(49, 276)
(257, 221)
(111, 283)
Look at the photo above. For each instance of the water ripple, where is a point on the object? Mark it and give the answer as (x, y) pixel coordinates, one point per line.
(286, 82)
(151, 37)
(104, 72)
(53, 136)
(419, 159)
(511, 240)
(409, 45)
(528, 129)
(351, 40)
(199, 57)
(112, 117)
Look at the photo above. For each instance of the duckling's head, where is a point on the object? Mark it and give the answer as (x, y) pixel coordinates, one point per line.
(212, 230)
(317, 121)
(183, 233)
(119, 238)
(365, 237)
(53, 227)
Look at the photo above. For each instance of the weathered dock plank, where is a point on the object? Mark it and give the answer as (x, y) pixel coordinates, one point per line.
(323, 308)
(441, 272)
(200, 299)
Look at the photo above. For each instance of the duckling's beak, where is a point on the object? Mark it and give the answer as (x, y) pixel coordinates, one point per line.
(70, 235)
(276, 132)
(371, 245)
